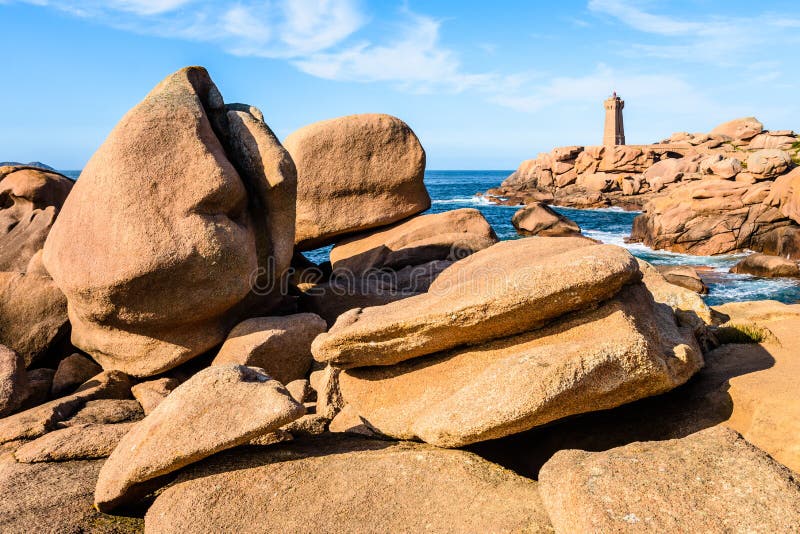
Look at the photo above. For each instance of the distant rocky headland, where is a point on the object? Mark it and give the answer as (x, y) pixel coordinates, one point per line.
(171, 362)
(728, 190)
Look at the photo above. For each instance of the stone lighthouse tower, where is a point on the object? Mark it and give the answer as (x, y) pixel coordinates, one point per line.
(614, 132)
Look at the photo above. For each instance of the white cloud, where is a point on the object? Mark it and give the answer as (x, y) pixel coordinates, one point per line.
(415, 61)
(723, 40)
(332, 39)
(593, 87)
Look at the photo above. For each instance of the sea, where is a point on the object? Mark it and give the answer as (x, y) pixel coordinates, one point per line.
(451, 190)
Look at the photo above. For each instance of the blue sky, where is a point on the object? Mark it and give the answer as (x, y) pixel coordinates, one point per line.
(484, 84)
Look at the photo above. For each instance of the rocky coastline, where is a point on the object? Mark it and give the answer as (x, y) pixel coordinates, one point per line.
(171, 362)
(729, 190)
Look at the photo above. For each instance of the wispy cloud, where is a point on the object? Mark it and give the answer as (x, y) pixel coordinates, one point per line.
(338, 40)
(597, 84)
(721, 39)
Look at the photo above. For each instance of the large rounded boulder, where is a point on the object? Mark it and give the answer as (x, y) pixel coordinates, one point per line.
(178, 228)
(355, 173)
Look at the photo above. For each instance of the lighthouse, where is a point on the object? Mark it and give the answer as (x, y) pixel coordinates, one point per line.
(614, 132)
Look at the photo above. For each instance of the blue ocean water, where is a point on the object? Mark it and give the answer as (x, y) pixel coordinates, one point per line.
(451, 190)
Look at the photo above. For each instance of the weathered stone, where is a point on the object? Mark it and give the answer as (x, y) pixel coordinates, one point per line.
(451, 235)
(300, 390)
(765, 406)
(30, 199)
(718, 165)
(73, 371)
(768, 163)
(770, 140)
(785, 194)
(670, 170)
(167, 267)
(626, 349)
(106, 412)
(710, 217)
(744, 128)
(540, 219)
(279, 345)
(218, 408)
(600, 182)
(511, 287)
(55, 497)
(77, 442)
(34, 422)
(33, 314)
(13, 381)
(431, 490)
(152, 392)
(683, 276)
(711, 481)
(38, 390)
(325, 381)
(766, 266)
(355, 173)
(348, 421)
(331, 299)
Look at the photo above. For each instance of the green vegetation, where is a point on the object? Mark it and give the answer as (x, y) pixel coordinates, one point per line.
(743, 333)
(117, 524)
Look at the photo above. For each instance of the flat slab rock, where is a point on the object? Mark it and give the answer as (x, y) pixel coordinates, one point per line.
(220, 407)
(54, 497)
(78, 442)
(348, 485)
(34, 422)
(711, 481)
(628, 348)
(506, 289)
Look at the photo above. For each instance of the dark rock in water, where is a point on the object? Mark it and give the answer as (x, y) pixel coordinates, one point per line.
(539, 219)
(767, 266)
(684, 276)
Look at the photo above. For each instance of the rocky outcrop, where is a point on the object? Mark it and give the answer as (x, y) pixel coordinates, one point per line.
(709, 481)
(33, 314)
(626, 349)
(342, 485)
(509, 288)
(30, 200)
(281, 346)
(767, 266)
(447, 236)
(186, 231)
(218, 408)
(745, 128)
(668, 179)
(355, 173)
(539, 219)
(714, 216)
